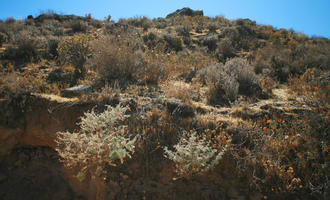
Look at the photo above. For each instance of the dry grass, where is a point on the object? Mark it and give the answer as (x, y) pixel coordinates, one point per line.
(183, 91)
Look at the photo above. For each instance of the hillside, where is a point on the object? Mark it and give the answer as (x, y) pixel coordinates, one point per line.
(182, 107)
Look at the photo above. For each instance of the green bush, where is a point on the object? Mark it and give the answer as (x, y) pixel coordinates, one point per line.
(194, 156)
(100, 142)
(75, 50)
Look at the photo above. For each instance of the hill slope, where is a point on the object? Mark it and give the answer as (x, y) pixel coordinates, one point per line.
(180, 107)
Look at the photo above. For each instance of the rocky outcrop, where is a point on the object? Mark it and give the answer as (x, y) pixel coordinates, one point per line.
(186, 12)
(57, 17)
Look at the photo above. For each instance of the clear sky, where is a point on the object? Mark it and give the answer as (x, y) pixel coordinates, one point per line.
(311, 17)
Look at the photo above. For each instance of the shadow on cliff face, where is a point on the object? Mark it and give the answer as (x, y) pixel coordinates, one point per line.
(33, 173)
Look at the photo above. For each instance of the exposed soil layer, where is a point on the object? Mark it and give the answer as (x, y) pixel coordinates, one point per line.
(35, 121)
(33, 173)
(30, 167)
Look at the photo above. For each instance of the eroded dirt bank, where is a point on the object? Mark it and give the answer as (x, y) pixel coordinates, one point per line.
(33, 173)
(29, 165)
(33, 120)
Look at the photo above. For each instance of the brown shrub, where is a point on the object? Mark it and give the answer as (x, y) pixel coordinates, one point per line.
(210, 42)
(78, 26)
(13, 84)
(173, 42)
(223, 88)
(25, 51)
(285, 154)
(119, 61)
(225, 50)
(212, 26)
(3, 38)
(227, 81)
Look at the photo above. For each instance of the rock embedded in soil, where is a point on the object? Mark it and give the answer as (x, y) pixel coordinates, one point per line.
(76, 91)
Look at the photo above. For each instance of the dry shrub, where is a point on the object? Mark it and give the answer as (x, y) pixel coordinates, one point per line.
(212, 26)
(210, 42)
(186, 63)
(38, 83)
(155, 69)
(222, 87)
(142, 22)
(107, 96)
(183, 30)
(267, 84)
(227, 81)
(299, 85)
(242, 70)
(115, 62)
(172, 42)
(119, 61)
(312, 82)
(24, 47)
(223, 94)
(13, 84)
(78, 26)
(292, 59)
(51, 48)
(3, 38)
(225, 50)
(151, 40)
(182, 91)
(286, 154)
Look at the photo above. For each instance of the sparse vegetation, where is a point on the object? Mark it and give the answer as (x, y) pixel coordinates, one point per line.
(234, 106)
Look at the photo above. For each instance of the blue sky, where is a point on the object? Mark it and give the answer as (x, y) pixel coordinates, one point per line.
(311, 17)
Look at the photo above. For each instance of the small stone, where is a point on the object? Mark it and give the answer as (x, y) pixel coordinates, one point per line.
(76, 91)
